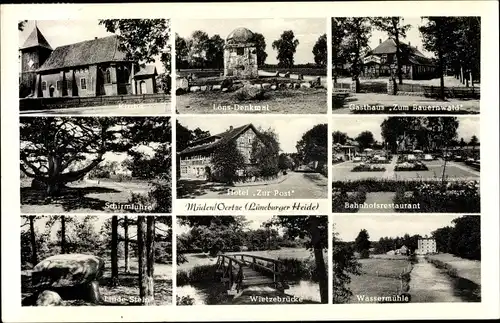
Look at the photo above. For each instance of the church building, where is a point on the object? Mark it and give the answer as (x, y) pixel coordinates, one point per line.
(90, 68)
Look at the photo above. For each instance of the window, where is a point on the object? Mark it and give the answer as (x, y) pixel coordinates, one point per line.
(58, 85)
(240, 51)
(44, 85)
(83, 83)
(108, 76)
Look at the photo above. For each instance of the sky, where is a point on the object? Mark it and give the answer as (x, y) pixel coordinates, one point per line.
(348, 226)
(255, 222)
(65, 32)
(289, 130)
(412, 35)
(307, 31)
(467, 127)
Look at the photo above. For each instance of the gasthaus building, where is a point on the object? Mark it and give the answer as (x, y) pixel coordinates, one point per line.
(195, 160)
(85, 69)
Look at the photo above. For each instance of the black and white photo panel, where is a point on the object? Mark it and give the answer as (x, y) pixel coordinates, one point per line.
(90, 260)
(252, 158)
(95, 165)
(407, 258)
(406, 65)
(406, 164)
(95, 67)
(269, 65)
(258, 259)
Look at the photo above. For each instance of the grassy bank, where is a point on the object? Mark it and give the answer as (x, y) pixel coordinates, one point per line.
(458, 267)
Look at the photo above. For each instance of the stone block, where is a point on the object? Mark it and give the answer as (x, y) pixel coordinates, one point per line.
(273, 87)
(305, 85)
(194, 89)
(203, 88)
(216, 87)
(266, 86)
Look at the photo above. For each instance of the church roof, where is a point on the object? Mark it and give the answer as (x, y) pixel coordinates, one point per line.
(36, 39)
(217, 140)
(240, 35)
(99, 50)
(146, 71)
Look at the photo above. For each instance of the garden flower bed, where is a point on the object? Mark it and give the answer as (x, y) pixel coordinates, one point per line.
(410, 166)
(367, 168)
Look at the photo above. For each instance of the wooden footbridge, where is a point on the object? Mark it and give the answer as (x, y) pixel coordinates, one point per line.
(240, 271)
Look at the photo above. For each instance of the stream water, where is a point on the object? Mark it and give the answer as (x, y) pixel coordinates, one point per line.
(304, 289)
(431, 284)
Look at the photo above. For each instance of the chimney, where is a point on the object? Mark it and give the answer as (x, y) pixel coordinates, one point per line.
(409, 43)
(230, 128)
(95, 37)
(380, 41)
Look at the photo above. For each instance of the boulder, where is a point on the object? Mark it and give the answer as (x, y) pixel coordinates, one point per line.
(216, 87)
(287, 75)
(203, 88)
(257, 86)
(48, 298)
(194, 88)
(289, 85)
(183, 83)
(273, 87)
(226, 84)
(266, 86)
(305, 85)
(249, 92)
(296, 85)
(317, 82)
(66, 270)
(180, 91)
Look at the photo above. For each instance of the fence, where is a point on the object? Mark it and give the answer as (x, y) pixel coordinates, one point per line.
(71, 102)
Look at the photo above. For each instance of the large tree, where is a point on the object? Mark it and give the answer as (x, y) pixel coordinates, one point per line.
(198, 47)
(142, 39)
(226, 161)
(320, 51)
(442, 131)
(362, 243)
(313, 144)
(365, 139)
(396, 29)
(286, 47)
(215, 52)
(265, 152)
(338, 59)
(181, 52)
(344, 266)
(356, 32)
(260, 45)
(316, 228)
(339, 137)
(439, 37)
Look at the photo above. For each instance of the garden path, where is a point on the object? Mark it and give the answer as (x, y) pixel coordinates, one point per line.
(389, 169)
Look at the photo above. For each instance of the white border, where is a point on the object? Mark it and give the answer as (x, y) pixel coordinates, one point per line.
(488, 308)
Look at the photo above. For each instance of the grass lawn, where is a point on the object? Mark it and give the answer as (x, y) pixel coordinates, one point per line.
(379, 277)
(298, 101)
(468, 269)
(81, 197)
(126, 291)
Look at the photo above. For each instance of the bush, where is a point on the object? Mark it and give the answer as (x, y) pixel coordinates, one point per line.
(340, 198)
(184, 300)
(198, 274)
(407, 166)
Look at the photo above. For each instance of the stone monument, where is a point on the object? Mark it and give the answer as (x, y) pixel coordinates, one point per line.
(240, 54)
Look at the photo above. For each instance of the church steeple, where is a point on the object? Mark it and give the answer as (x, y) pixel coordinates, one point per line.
(35, 51)
(36, 39)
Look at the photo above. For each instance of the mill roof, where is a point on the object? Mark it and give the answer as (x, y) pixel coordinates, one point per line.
(35, 39)
(219, 139)
(99, 50)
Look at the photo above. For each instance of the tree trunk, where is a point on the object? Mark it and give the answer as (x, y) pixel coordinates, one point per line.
(141, 250)
(114, 249)
(461, 74)
(63, 234)
(441, 73)
(319, 259)
(34, 256)
(398, 50)
(150, 255)
(125, 242)
(444, 165)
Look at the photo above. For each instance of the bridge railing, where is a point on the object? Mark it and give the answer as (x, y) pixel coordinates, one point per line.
(272, 266)
(227, 265)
